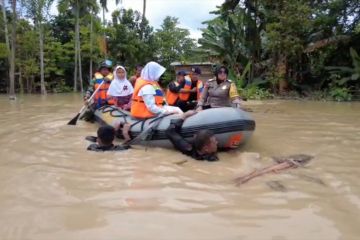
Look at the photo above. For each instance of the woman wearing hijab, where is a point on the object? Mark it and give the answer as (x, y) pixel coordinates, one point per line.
(219, 92)
(121, 89)
(148, 97)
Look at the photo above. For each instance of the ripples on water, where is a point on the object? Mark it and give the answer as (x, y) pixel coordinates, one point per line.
(52, 188)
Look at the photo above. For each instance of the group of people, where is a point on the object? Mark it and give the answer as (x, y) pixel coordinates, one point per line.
(145, 98)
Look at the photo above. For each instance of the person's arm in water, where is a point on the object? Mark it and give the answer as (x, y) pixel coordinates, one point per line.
(172, 132)
(97, 148)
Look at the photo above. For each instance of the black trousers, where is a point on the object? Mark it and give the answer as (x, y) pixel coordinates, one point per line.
(186, 105)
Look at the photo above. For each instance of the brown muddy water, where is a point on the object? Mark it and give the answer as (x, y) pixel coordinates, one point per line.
(52, 188)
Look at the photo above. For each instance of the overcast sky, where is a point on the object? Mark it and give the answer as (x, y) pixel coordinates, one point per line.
(191, 13)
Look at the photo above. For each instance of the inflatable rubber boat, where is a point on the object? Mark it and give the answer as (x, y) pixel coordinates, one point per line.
(231, 126)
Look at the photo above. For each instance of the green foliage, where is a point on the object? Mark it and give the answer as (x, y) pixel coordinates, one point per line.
(286, 27)
(37, 9)
(297, 40)
(174, 43)
(343, 75)
(225, 40)
(240, 80)
(131, 40)
(255, 92)
(3, 51)
(55, 57)
(59, 86)
(264, 43)
(340, 94)
(166, 78)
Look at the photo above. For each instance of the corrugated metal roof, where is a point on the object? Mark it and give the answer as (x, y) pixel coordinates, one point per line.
(190, 64)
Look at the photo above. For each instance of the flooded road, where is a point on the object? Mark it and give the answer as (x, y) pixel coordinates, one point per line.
(52, 188)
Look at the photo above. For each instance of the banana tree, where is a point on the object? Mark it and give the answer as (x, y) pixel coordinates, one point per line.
(225, 40)
(350, 74)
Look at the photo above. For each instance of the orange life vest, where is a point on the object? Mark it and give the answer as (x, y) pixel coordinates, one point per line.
(138, 107)
(101, 98)
(199, 89)
(185, 96)
(172, 97)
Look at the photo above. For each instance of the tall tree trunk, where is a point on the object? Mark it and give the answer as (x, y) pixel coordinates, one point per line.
(6, 30)
(28, 85)
(78, 50)
(75, 69)
(105, 42)
(91, 47)
(32, 80)
(142, 25)
(80, 68)
(12, 57)
(21, 82)
(76, 46)
(41, 44)
(144, 10)
(281, 70)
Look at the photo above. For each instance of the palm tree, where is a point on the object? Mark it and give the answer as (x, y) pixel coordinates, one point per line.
(103, 4)
(144, 10)
(12, 56)
(78, 7)
(38, 9)
(6, 31)
(93, 10)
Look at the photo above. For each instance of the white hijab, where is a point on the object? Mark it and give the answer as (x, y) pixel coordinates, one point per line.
(152, 71)
(120, 87)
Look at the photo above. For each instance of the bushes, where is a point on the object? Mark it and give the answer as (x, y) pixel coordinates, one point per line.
(340, 94)
(255, 93)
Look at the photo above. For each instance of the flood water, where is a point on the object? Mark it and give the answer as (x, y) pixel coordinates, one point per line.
(52, 188)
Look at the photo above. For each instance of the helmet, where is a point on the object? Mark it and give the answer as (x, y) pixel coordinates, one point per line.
(106, 64)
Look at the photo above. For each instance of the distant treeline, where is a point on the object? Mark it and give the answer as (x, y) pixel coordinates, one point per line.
(293, 48)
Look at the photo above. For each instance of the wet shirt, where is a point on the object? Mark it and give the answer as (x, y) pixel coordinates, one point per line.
(95, 147)
(184, 146)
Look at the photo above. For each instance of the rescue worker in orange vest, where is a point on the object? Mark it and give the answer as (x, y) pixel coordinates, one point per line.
(193, 88)
(148, 97)
(175, 88)
(103, 74)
